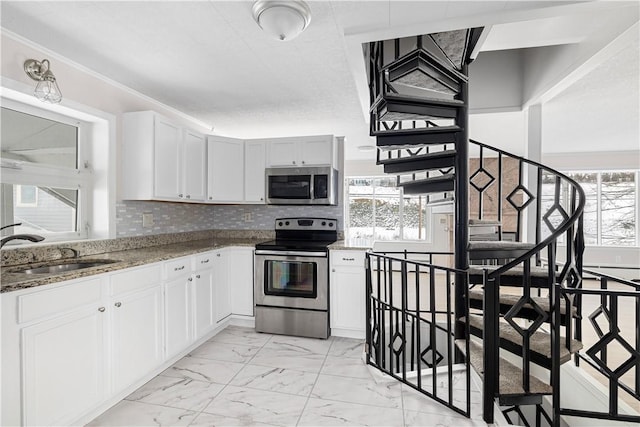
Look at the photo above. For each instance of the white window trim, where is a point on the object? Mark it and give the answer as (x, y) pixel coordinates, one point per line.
(18, 172)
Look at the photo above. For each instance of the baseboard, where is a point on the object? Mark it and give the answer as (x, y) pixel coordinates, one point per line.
(348, 333)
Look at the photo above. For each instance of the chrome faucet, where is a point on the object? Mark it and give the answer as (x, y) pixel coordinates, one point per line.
(30, 237)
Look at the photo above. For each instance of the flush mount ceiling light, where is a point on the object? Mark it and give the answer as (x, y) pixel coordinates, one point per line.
(47, 88)
(282, 20)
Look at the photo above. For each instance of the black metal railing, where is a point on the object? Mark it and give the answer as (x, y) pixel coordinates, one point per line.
(612, 335)
(411, 323)
(554, 203)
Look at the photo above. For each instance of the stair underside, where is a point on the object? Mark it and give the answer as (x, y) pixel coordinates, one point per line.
(510, 380)
(423, 70)
(409, 138)
(430, 161)
(540, 342)
(399, 107)
(526, 312)
(499, 249)
(437, 184)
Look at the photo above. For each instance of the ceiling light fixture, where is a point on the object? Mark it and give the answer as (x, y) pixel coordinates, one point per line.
(282, 20)
(47, 89)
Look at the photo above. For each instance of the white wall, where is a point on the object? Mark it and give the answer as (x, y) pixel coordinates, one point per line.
(495, 82)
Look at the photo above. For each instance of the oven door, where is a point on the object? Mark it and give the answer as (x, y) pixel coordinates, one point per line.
(291, 279)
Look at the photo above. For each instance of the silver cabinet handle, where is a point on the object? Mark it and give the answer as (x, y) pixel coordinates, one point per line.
(204, 261)
(294, 162)
(217, 254)
(303, 162)
(178, 268)
(261, 199)
(180, 195)
(197, 276)
(188, 196)
(190, 279)
(210, 198)
(118, 304)
(101, 309)
(348, 259)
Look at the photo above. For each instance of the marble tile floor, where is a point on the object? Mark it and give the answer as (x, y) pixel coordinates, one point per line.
(244, 378)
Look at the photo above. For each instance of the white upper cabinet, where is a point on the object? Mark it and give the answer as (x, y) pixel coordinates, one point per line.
(225, 182)
(302, 151)
(194, 166)
(161, 160)
(167, 149)
(254, 164)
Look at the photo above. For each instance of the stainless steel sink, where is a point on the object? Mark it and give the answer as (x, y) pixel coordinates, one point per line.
(71, 265)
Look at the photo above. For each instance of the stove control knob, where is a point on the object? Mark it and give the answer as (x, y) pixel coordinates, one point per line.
(324, 223)
(286, 223)
(280, 223)
(330, 224)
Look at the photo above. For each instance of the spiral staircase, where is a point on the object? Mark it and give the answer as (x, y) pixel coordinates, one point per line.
(511, 303)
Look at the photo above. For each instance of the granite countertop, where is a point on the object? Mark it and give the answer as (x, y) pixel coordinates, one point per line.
(11, 280)
(351, 245)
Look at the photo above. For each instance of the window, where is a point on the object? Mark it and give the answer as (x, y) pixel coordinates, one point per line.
(43, 187)
(378, 210)
(611, 206)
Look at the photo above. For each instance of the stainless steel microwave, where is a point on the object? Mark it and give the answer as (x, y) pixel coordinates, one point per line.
(302, 186)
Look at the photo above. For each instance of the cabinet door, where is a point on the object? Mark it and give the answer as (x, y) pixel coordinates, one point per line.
(194, 166)
(254, 165)
(203, 295)
(63, 367)
(347, 288)
(177, 297)
(316, 151)
(221, 286)
(240, 279)
(137, 332)
(167, 159)
(283, 152)
(225, 169)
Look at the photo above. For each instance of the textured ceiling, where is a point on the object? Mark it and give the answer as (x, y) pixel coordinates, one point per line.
(210, 60)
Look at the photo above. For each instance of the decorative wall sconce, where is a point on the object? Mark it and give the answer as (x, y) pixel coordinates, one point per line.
(282, 20)
(47, 89)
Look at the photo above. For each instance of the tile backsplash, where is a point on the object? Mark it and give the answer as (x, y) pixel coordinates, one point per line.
(181, 217)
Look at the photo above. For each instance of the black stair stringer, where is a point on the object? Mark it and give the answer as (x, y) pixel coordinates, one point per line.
(423, 162)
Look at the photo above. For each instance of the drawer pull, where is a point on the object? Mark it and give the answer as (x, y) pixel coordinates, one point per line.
(190, 279)
(178, 268)
(101, 309)
(197, 276)
(204, 261)
(118, 304)
(348, 259)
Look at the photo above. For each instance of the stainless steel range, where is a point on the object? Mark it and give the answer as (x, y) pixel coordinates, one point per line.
(292, 278)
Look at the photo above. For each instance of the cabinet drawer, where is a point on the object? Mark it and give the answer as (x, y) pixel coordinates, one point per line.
(204, 260)
(177, 267)
(347, 258)
(135, 278)
(40, 304)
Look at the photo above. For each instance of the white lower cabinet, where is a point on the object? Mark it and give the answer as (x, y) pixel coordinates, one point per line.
(204, 317)
(240, 280)
(137, 330)
(63, 366)
(347, 290)
(68, 348)
(221, 285)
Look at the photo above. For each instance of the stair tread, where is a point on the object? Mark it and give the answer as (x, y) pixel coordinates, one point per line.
(429, 130)
(510, 299)
(510, 375)
(539, 343)
(423, 100)
(483, 222)
(498, 244)
(518, 270)
(437, 154)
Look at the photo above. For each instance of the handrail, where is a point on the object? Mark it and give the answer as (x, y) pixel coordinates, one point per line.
(571, 220)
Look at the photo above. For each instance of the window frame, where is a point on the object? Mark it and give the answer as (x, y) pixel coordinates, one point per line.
(599, 173)
(18, 172)
(400, 196)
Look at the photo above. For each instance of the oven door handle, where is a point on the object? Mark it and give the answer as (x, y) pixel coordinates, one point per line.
(291, 253)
